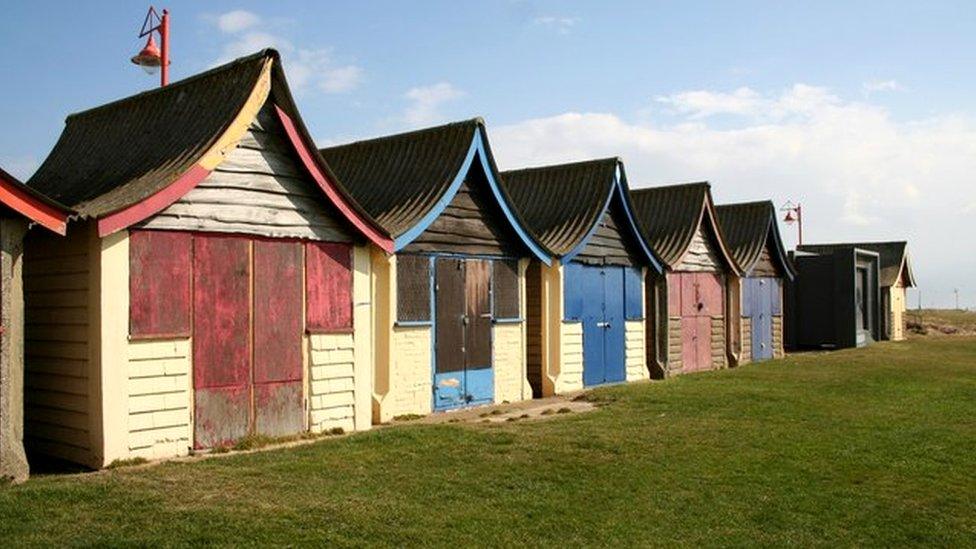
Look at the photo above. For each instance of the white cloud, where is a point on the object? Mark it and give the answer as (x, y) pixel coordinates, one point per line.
(425, 102)
(563, 25)
(872, 86)
(701, 103)
(236, 21)
(307, 68)
(859, 173)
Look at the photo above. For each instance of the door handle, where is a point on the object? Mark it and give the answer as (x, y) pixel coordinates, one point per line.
(486, 315)
(602, 324)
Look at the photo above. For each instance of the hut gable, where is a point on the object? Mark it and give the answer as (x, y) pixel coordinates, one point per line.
(32, 205)
(679, 223)
(580, 212)
(123, 162)
(752, 236)
(426, 185)
(259, 188)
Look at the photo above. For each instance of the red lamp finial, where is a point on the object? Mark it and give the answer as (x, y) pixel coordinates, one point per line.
(150, 58)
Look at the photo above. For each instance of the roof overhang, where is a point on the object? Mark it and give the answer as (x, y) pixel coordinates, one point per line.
(477, 152)
(46, 213)
(620, 190)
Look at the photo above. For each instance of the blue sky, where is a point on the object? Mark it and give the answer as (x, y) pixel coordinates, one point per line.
(863, 111)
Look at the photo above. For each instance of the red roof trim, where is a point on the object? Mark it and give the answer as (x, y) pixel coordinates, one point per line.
(154, 204)
(328, 186)
(32, 208)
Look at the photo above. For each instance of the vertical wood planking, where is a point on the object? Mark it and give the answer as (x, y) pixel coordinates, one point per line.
(477, 333)
(329, 286)
(159, 283)
(449, 333)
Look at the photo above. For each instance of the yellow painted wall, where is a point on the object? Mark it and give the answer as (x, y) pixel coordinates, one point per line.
(363, 326)
(636, 351)
(569, 376)
(332, 382)
(897, 313)
(511, 382)
(410, 376)
(158, 394)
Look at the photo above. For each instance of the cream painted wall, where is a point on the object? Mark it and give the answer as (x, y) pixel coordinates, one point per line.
(635, 351)
(332, 389)
(897, 314)
(159, 398)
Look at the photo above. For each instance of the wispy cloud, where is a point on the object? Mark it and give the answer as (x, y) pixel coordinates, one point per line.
(425, 102)
(236, 21)
(872, 86)
(562, 24)
(308, 68)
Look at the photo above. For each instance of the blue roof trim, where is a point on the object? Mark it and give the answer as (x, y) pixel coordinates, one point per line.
(780, 249)
(618, 189)
(477, 150)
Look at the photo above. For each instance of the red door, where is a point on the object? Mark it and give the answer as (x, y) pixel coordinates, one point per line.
(278, 398)
(221, 339)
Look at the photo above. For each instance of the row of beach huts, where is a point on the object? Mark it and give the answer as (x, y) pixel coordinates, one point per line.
(186, 268)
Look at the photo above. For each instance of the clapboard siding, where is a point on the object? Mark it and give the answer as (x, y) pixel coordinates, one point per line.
(701, 254)
(764, 265)
(56, 345)
(260, 188)
(609, 245)
(472, 223)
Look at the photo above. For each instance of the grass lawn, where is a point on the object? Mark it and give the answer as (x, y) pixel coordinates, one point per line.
(860, 447)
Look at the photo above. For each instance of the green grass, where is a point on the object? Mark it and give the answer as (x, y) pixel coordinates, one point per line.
(863, 447)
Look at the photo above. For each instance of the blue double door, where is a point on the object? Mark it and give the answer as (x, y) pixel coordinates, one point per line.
(760, 303)
(595, 297)
(463, 373)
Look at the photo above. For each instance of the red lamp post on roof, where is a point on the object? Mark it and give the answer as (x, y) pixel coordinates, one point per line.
(794, 214)
(154, 58)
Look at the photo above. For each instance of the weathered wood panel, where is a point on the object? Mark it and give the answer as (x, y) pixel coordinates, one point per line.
(610, 244)
(159, 283)
(477, 330)
(765, 266)
(701, 255)
(56, 344)
(472, 223)
(261, 189)
(329, 285)
(221, 339)
(449, 333)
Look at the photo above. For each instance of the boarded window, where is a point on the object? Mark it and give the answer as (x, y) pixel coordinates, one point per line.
(159, 284)
(506, 290)
(328, 283)
(633, 293)
(413, 288)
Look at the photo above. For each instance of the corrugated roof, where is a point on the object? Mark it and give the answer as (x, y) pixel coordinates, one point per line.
(746, 227)
(118, 154)
(561, 204)
(893, 257)
(399, 178)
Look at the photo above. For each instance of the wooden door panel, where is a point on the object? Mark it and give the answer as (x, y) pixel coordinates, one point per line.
(614, 332)
(673, 281)
(221, 339)
(703, 341)
(449, 391)
(477, 299)
(711, 295)
(689, 343)
(278, 325)
(221, 311)
(689, 294)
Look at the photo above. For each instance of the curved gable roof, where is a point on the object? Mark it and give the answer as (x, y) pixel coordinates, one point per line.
(564, 204)
(747, 227)
(893, 258)
(129, 159)
(405, 181)
(669, 217)
(32, 205)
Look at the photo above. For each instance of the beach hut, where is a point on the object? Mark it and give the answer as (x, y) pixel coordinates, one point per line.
(585, 312)
(449, 304)
(834, 301)
(752, 237)
(21, 209)
(696, 300)
(214, 282)
(894, 278)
